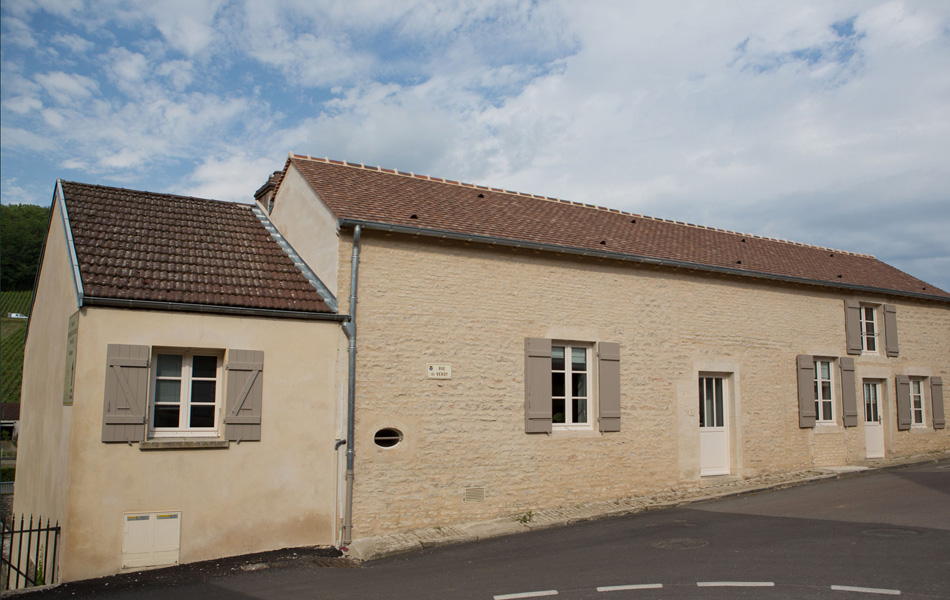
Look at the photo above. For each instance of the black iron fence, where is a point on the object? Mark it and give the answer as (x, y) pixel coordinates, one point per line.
(29, 554)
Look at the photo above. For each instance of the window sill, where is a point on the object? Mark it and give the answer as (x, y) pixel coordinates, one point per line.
(827, 428)
(559, 432)
(183, 444)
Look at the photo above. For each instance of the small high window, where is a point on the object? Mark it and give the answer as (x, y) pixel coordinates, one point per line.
(387, 437)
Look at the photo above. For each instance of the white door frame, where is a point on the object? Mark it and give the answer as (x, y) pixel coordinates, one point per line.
(873, 419)
(714, 442)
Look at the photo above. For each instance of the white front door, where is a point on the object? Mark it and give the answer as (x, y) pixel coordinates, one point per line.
(713, 432)
(873, 420)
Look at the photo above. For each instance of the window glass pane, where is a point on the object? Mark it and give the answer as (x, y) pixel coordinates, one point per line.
(202, 416)
(557, 410)
(169, 365)
(166, 416)
(580, 385)
(204, 366)
(579, 359)
(825, 369)
(702, 407)
(825, 390)
(202, 392)
(557, 384)
(826, 411)
(719, 410)
(168, 390)
(872, 345)
(557, 358)
(580, 411)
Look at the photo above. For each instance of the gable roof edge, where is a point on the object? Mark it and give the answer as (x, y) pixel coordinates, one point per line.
(302, 266)
(70, 243)
(648, 260)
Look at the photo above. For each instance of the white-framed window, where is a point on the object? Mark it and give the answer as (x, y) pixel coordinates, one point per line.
(570, 386)
(917, 402)
(711, 402)
(824, 398)
(185, 393)
(869, 329)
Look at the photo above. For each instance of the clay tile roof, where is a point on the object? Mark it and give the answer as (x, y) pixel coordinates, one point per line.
(141, 246)
(373, 195)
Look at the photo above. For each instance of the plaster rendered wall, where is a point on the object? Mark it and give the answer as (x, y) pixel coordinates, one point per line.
(308, 225)
(43, 453)
(471, 306)
(253, 496)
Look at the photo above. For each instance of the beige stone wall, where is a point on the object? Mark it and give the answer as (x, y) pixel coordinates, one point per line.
(472, 306)
(43, 454)
(251, 497)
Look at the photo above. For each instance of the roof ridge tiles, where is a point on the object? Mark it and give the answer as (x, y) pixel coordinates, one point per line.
(412, 175)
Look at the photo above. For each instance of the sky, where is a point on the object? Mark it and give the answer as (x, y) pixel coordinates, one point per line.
(824, 122)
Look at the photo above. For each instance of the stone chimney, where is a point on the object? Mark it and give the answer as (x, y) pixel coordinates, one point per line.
(265, 195)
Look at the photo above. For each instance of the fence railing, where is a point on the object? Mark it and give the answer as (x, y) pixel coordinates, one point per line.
(29, 553)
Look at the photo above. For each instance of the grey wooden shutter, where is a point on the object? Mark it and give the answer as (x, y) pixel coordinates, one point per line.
(245, 392)
(903, 402)
(126, 396)
(806, 391)
(936, 402)
(852, 326)
(849, 399)
(890, 330)
(609, 385)
(537, 385)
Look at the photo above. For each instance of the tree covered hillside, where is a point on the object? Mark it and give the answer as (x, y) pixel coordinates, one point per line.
(22, 229)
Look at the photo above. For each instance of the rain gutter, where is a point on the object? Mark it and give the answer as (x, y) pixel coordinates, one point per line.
(349, 328)
(211, 308)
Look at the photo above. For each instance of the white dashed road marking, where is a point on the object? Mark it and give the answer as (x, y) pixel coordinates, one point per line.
(864, 590)
(638, 586)
(735, 584)
(526, 595)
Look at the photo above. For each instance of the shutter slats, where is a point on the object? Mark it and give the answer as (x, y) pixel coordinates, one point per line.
(849, 400)
(126, 393)
(936, 402)
(890, 330)
(537, 385)
(903, 402)
(609, 385)
(806, 391)
(244, 392)
(852, 326)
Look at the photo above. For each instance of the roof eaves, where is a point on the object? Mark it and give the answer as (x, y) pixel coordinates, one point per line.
(328, 298)
(649, 260)
(213, 308)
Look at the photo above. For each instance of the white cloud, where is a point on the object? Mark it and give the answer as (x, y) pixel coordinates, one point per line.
(67, 88)
(73, 43)
(234, 178)
(22, 104)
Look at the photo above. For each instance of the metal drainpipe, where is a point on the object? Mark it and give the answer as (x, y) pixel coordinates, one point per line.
(350, 329)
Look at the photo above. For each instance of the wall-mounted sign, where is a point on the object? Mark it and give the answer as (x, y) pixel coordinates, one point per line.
(438, 371)
(72, 339)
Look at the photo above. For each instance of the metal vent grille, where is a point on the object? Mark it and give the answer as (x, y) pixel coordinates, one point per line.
(475, 494)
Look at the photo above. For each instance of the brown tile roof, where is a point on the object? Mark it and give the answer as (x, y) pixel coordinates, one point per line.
(148, 247)
(406, 200)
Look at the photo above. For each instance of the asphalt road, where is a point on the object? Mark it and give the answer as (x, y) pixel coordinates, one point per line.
(866, 536)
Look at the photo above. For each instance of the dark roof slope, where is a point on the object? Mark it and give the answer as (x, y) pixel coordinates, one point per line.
(404, 200)
(147, 247)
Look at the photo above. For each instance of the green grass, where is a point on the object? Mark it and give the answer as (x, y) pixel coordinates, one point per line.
(15, 302)
(12, 332)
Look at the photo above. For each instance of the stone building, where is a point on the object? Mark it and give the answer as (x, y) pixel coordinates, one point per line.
(502, 352)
